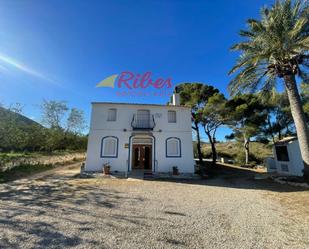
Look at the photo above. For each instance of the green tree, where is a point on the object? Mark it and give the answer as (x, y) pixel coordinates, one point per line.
(277, 47)
(36, 136)
(53, 113)
(63, 131)
(279, 116)
(268, 99)
(12, 131)
(245, 115)
(214, 115)
(65, 125)
(75, 121)
(195, 96)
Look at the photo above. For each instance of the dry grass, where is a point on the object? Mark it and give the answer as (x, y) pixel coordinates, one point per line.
(235, 149)
(296, 202)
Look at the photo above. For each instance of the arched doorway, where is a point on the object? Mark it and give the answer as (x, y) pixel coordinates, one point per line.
(142, 151)
(147, 157)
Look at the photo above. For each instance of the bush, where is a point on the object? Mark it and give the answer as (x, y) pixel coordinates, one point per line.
(22, 171)
(241, 159)
(235, 150)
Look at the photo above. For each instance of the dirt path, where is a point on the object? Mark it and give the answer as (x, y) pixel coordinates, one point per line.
(61, 171)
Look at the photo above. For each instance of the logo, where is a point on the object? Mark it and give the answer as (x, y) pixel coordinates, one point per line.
(128, 83)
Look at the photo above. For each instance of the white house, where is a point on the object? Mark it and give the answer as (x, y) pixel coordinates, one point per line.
(140, 137)
(287, 158)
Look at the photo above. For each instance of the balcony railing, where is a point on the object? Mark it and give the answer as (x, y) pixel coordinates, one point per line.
(143, 122)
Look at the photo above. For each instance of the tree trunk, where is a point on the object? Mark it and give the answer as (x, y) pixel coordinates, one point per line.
(279, 134)
(198, 145)
(299, 120)
(213, 148)
(246, 145)
(214, 153)
(287, 129)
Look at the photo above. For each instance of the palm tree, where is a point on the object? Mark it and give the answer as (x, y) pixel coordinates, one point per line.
(277, 47)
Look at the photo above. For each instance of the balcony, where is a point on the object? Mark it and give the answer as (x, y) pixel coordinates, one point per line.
(143, 121)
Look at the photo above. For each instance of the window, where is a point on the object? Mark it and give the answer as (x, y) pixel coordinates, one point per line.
(282, 153)
(143, 118)
(111, 114)
(109, 147)
(171, 116)
(173, 147)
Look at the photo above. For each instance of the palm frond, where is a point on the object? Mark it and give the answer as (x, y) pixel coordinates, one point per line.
(272, 45)
(298, 28)
(246, 33)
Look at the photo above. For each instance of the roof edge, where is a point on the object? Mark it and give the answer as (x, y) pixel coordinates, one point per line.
(137, 104)
(286, 140)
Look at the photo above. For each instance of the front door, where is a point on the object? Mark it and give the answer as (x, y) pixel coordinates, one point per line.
(141, 156)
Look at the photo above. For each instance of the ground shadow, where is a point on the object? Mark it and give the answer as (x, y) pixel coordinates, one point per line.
(236, 177)
(25, 206)
(22, 203)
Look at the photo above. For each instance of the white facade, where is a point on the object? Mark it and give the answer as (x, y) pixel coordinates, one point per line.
(287, 158)
(140, 136)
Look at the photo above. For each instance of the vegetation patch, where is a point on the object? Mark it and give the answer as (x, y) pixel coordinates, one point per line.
(14, 166)
(234, 150)
(23, 171)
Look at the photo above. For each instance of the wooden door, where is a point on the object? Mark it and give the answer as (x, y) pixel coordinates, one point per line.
(141, 156)
(147, 157)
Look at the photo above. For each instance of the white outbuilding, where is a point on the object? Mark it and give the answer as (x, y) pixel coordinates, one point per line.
(287, 158)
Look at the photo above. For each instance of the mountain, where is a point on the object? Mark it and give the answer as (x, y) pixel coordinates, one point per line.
(8, 116)
(17, 132)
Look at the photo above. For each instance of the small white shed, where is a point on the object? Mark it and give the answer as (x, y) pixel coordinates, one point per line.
(287, 158)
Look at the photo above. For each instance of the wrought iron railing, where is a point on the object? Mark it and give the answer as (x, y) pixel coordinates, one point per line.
(143, 122)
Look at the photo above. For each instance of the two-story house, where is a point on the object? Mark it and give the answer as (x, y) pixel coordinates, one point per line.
(140, 137)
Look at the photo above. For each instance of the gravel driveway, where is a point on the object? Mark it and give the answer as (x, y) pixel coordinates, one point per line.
(62, 211)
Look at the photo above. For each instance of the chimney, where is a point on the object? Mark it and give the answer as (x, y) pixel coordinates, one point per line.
(175, 99)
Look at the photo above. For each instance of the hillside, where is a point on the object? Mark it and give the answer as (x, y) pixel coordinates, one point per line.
(16, 131)
(7, 116)
(235, 151)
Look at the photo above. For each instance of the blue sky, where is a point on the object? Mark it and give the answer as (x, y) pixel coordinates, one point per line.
(59, 50)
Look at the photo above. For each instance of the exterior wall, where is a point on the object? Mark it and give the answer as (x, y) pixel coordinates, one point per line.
(121, 128)
(270, 164)
(295, 163)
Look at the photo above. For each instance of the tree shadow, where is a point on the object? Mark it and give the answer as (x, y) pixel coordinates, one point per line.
(31, 212)
(64, 211)
(46, 233)
(236, 177)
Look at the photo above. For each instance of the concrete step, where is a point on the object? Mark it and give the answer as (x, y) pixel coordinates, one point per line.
(140, 174)
(148, 175)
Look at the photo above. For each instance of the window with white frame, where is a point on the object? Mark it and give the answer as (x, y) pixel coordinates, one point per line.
(109, 147)
(173, 147)
(111, 114)
(171, 116)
